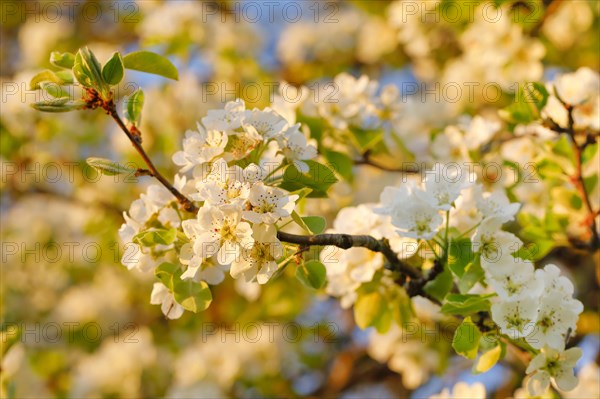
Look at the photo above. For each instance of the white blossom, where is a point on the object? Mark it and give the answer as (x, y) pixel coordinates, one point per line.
(163, 297)
(268, 204)
(218, 232)
(552, 366)
(259, 261)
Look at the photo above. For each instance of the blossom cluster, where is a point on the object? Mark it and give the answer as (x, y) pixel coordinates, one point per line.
(235, 227)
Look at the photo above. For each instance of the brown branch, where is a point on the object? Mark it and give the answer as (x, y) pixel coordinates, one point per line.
(367, 160)
(135, 137)
(414, 286)
(578, 179)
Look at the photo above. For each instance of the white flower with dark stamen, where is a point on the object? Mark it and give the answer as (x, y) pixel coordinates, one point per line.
(552, 366)
(259, 261)
(218, 232)
(493, 243)
(199, 269)
(516, 318)
(228, 119)
(555, 323)
(224, 185)
(297, 148)
(496, 208)
(163, 297)
(268, 204)
(200, 147)
(443, 186)
(267, 123)
(513, 278)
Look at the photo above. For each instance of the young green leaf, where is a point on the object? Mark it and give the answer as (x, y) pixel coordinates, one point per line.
(316, 224)
(466, 339)
(319, 178)
(108, 167)
(62, 60)
(58, 105)
(146, 61)
(167, 273)
(368, 309)
(45, 76)
(150, 238)
(487, 360)
(465, 305)
(300, 222)
(132, 107)
(311, 274)
(193, 296)
(439, 286)
(113, 70)
(54, 89)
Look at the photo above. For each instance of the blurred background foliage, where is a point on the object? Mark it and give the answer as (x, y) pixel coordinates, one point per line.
(60, 268)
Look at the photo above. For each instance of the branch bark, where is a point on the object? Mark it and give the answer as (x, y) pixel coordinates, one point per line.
(134, 136)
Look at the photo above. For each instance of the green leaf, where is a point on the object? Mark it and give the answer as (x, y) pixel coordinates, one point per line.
(193, 296)
(564, 148)
(473, 274)
(58, 105)
(45, 76)
(465, 305)
(151, 238)
(440, 286)
(316, 224)
(166, 272)
(113, 70)
(466, 339)
(588, 153)
(487, 360)
(146, 61)
(83, 76)
(460, 254)
(62, 60)
(133, 107)
(319, 178)
(108, 167)
(300, 222)
(54, 89)
(530, 99)
(89, 70)
(590, 183)
(368, 309)
(312, 274)
(340, 163)
(366, 139)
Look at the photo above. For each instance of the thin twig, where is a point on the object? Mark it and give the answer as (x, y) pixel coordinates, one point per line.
(367, 160)
(134, 136)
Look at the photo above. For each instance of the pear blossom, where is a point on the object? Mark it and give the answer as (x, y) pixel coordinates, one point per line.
(200, 147)
(225, 184)
(218, 232)
(496, 208)
(259, 261)
(296, 147)
(516, 318)
(493, 243)
(513, 278)
(552, 366)
(266, 123)
(227, 119)
(443, 185)
(554, 324)
(199, 269)
(163, 297)
(268, 204)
